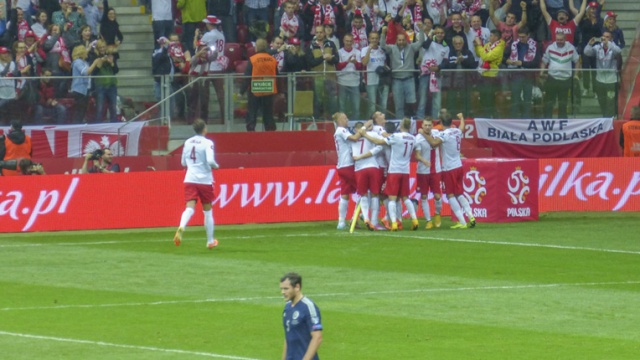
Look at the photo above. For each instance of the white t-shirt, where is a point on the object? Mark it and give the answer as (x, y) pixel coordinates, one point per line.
(451, 140)
(472, 34)
(343, 147)
(215, 38)
(376, 59)
(349, 76)
(402, 145)
(363, 146)
(198, 157)
(382, 157)
(429, 153)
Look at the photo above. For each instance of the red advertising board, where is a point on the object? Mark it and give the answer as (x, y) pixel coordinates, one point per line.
(603, 184)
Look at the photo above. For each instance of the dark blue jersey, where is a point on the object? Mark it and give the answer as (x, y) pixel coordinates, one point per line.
(299, 321)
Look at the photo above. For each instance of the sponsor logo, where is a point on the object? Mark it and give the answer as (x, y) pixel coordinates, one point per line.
(518, 212)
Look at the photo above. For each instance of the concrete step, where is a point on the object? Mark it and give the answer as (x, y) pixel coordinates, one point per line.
(139, 36)
(137, 56)
(136, 46)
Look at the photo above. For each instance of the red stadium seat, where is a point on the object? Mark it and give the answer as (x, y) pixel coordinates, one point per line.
(241, 66)
(242, 34)
(251, 50)
(233, 51)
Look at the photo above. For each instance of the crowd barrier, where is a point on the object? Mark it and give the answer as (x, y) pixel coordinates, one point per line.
(311, 193)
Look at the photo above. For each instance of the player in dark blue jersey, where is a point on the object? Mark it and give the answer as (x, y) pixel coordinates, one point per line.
(301, 320)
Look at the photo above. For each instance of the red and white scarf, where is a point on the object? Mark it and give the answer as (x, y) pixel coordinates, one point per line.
(290, 26)
(531, 51)
(23, 27)
(61, 48)
(360, 40)
(478, 32)
(323, 14)
(487, 48)
(416, 16)
(433, 78)
(475, 6)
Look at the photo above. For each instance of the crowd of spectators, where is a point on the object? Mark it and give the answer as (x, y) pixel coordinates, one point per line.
(42, 44)
(396, 56)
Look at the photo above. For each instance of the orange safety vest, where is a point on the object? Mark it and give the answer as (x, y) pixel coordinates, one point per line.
(15, 152)
(631, 133)
(264, 67)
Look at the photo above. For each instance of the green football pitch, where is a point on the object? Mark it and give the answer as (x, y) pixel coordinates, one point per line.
(565, 287)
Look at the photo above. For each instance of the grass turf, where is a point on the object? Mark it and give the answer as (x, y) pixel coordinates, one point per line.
(566, 287)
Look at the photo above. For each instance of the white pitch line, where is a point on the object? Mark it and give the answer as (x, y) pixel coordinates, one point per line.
(357, 294)
(125, 346)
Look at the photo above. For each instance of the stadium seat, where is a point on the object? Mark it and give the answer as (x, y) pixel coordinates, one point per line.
(242, 34)
(233, 51)
(240, 66)
(250, 49)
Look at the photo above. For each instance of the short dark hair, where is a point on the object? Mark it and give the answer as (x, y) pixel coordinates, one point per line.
(447, 120)
(390, 127)
(16, 124)
(496, 33)
(293, 277)
(198, 126)
(358, 125)
(523, 30)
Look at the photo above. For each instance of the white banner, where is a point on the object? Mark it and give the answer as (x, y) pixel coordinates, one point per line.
(542, 132)
(75, 140)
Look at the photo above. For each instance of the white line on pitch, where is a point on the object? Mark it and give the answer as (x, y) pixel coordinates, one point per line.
(125, 346)
(263, 298)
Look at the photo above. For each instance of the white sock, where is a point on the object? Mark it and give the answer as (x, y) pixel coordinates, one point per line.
(425, 209)
(411, 209)
(364, 207)
(208, 225)
(375, 210)
(391, 210)
(438, 205)
(399, 209)
(455, 207)
(342, 210)
(465, 206)
(186, 216)
(386, 207)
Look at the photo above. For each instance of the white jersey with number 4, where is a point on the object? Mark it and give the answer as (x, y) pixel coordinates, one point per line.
(451, 140)
(363, 146)
(343, 147)
(402, 145)
(198, 157)
(429, 153)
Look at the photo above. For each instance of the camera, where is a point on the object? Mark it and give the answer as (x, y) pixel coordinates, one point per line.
(96, 154)
(8, 164)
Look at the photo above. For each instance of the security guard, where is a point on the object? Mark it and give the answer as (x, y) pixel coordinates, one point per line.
(261, 87)
(630, 135)
(15, 145)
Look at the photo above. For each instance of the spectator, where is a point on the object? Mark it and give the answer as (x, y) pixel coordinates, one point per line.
(171, 60)
(193, 12)
(434, 55)
(436, 11)
(57, 58)
(322, 12)
(456, 29)
(562, 25)
(359, 26)
(509, 28)
(291, 24)
(610, 24)
(8, 70)
(590, 27)
(475, 30)
(86, 37)
(81, 82)
(27, 93)
(70, 14)
(18, 25)
(374, 59)
(256, 10)
(348, 67)
(92, 15)
(322, 57)
(102, 162)
(261, 66)
(523, 54)
(559, 75)
(606, 82)
(277, 49)
(110, 29)
(329, 33)
(491, 56)
(162, 19)
(199, 68)
(414, 11)
(403, 58)
(499, 13)
(294, 58)
(49, 6)
(630, 134)
(457, 82)
(384, 10)
(225, 10)
(214, 38)
(15, 145)
(48, 105)
(41, 25)
(105, 82)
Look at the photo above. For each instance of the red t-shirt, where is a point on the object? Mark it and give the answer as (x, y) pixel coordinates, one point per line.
(569, 30)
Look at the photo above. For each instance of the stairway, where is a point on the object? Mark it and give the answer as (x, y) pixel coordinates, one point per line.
(628, 19)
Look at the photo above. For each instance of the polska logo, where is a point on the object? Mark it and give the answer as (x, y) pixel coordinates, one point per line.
(518, 184)
(475, 186)
(94, 141)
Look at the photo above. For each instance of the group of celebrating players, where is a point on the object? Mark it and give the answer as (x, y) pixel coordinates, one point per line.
(374, 162)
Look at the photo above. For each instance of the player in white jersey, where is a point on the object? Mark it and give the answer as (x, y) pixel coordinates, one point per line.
(368, 176)
(428, 173)
(346, 172)
(402, 145)
(198, 157)
(450, 140)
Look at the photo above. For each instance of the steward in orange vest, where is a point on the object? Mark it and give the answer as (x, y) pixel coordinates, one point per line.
(261, 87)
(15, 145)
(630, 135)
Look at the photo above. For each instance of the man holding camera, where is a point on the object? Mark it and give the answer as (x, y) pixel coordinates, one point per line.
(102, 162)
